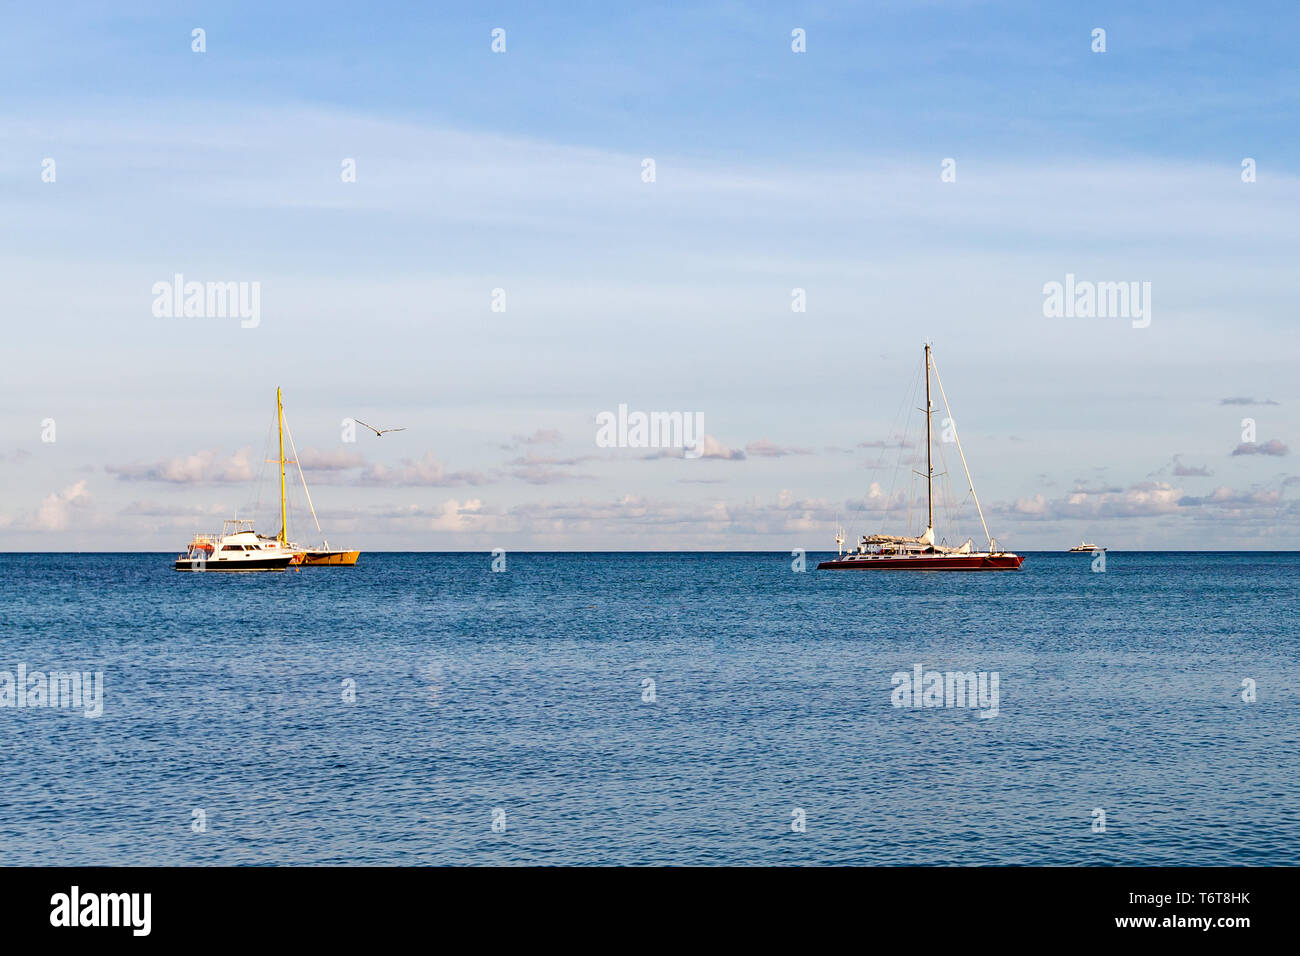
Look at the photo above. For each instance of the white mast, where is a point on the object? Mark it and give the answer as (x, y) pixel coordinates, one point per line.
(303, 479)
(969, 481)
(929, 468)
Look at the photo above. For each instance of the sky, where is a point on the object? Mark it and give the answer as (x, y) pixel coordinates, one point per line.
(501, 270)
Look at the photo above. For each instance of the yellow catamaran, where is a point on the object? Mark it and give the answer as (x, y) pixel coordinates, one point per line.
(323, 555)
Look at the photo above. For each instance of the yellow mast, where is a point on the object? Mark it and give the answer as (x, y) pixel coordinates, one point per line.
(284, 511)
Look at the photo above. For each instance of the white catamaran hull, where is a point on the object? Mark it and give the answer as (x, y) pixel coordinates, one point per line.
(248, 564)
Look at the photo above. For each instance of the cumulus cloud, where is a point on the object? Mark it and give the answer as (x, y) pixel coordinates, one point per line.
(1034, 506)
(1190, 471)
(877, 500)
(148, 508)
(426, 471)
(786, 513)
(766, 449)
(1144, 499)
(339, 459)
(632, 516)
(200, 467)
(710, 447)
(1082, 486)
(1273, 447)
(548, 469)
(457, 515)
(1228, 498)
(553, 461)
(543, 436)
(56, 510)
(1141, 500)
(541, 473)
(641, 520)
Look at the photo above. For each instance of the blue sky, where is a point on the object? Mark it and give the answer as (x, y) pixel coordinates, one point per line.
(522, 171)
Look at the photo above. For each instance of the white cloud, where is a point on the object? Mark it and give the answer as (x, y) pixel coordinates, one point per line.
(55, 512)
(1272, 447)
(200, 467)
(338, 459)
(456, 516)
(710, 447)
(767, 449)
(543, 436)
(425, 471)
(1144, 499)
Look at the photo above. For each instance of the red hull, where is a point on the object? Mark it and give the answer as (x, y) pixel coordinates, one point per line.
(944, 562)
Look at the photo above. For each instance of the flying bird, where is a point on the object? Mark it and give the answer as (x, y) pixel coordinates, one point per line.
(379, 432)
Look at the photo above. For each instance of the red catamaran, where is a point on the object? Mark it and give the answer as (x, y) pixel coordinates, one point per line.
(878, 552)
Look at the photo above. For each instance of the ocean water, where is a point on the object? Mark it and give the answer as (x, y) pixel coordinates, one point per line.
(519, 697)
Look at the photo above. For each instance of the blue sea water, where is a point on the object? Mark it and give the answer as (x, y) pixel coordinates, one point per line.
(520, 694)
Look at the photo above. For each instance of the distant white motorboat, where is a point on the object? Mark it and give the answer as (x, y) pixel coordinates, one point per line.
(237, 548)
(1084, 548)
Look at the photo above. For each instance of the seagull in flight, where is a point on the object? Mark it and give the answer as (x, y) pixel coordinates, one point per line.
(379, 432)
